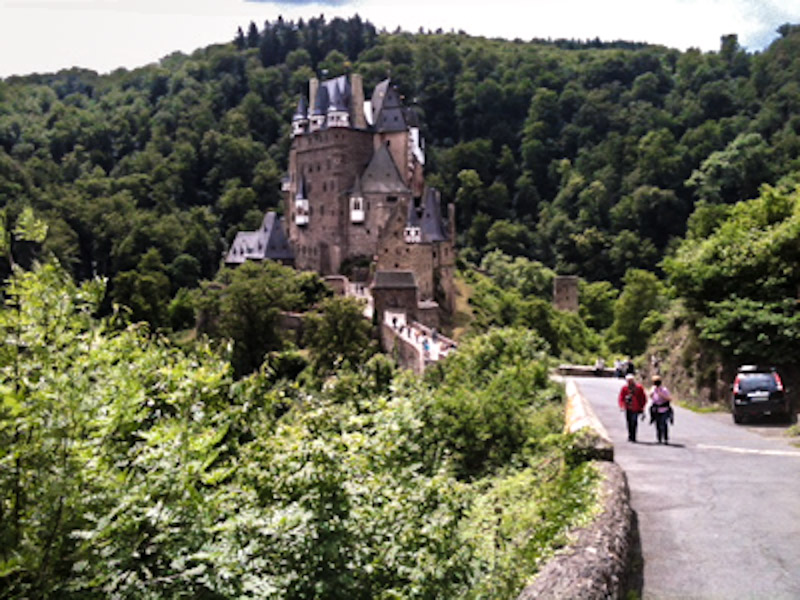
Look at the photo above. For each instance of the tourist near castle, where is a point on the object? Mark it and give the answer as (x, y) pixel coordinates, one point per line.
(632, 400)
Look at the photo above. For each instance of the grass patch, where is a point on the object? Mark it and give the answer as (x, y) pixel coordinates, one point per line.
(793, 431)
(702, 408)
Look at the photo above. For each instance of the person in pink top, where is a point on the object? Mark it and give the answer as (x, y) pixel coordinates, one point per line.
(660, 409)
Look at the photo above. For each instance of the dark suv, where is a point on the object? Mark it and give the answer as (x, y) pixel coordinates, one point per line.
(759, 391)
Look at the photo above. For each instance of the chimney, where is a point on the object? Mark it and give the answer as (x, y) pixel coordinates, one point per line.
(313, 86)
(357, 100)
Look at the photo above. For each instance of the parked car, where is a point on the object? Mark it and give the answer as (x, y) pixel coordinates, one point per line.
(759, 391)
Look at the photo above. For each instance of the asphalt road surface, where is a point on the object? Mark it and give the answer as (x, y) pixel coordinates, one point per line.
(718, 509)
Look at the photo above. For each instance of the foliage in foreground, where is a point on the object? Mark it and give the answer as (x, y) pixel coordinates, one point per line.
(131, 469)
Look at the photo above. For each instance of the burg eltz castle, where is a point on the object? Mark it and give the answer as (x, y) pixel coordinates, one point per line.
(355, 196)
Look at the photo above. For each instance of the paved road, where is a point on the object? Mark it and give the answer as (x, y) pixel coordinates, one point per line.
(718, 509)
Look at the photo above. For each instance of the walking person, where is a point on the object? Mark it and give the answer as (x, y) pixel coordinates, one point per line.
(660, 409)
(632, 400)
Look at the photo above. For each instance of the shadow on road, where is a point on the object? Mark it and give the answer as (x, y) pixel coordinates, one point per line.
(670, 445)
(635, 575)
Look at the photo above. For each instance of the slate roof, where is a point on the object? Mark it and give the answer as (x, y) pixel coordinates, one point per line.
(268, 242)
(337, 100)
(388, 112)
(381, 175)
(394, 280)
(321, 101)
(302, 109)
(428, 217)
(431, 220)
(333, 93)
(378, 96)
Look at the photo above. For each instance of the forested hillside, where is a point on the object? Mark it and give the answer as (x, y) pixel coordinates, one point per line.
(588, 157)
(243, 466)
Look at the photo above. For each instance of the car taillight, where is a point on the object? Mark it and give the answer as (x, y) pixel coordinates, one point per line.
(778, 382)
(736, 385)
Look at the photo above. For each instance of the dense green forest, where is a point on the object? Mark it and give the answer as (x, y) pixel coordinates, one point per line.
(587, 157)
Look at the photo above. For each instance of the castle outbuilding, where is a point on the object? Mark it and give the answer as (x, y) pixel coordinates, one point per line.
(269, 242)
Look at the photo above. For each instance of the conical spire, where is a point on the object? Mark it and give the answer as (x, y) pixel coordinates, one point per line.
(302, 109)
(323, 99)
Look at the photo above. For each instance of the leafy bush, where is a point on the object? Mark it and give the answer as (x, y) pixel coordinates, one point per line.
(130, 468)
(741, 280)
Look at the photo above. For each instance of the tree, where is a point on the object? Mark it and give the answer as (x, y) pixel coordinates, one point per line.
(513, 239)
(337, 335)
(636, 312)
(145, 290)
(734, 173)
(243, 305)
(597, 301)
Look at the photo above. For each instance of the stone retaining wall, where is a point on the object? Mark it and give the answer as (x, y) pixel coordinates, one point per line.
(597, 563)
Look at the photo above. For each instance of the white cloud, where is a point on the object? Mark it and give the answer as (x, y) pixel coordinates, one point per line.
(46, 35)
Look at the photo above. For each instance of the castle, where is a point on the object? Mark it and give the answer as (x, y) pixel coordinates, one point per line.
(355, 195)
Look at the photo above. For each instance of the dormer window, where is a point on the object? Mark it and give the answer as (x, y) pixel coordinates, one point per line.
(356, 209)
(412, 235)
(301, 212)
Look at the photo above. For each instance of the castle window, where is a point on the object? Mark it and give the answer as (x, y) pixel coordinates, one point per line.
(391, 199)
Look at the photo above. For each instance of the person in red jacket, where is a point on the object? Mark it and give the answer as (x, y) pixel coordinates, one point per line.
(632, 400)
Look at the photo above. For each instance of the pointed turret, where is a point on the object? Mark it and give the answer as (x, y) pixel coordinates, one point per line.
(388, 112)
(300, 117)
(320, 110)
(338, 113)
(433, 229)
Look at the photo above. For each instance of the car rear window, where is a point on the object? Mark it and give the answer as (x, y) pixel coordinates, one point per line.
(757, 381)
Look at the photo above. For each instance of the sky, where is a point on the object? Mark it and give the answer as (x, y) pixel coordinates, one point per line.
(48, 35)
